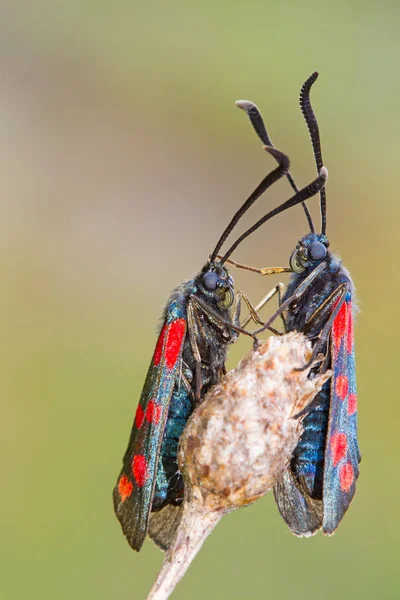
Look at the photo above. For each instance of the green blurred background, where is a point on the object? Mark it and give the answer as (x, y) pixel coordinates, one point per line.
(122, 158)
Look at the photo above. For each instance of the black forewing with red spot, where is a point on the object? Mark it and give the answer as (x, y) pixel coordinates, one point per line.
(341, 453)
(133, 493)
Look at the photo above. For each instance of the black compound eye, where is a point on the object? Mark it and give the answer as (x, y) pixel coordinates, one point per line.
(317, 251)
(210, 280)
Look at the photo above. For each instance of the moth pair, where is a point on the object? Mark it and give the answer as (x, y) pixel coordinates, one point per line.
(200, 320)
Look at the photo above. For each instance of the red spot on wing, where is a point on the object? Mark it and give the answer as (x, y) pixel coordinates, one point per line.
(346, 475)
(350, 331)
(139, 469)
(352, 404)
(342, 386)
(176, 332)
(340, 325)
(125, 487)
(159, 346)
(153, 412)
(338, 447)
(139, 417)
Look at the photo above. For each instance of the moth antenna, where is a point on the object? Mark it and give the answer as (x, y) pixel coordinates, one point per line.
(257, 122)
(312, 124)
(280, 171)
(310, 190)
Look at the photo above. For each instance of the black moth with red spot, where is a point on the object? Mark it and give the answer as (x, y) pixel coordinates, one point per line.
(318, 485)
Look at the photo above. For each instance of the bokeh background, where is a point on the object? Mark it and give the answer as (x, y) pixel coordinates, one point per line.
(122, 157)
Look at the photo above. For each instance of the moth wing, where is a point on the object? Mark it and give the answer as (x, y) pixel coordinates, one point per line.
(133, 493)
(302, 514)
(342, 454)
(163, 525)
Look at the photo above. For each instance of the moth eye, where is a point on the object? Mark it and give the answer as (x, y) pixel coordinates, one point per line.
(317, 251)
(210, 280)
(295, 262)
(227, 299)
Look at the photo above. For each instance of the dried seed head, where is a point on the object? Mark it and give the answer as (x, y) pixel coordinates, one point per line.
(241, 437)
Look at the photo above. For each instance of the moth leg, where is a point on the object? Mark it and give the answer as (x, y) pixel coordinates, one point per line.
(194, 327)
(255, 310)
(325, 363)
(219, 323)
(320, 312)
(213, 316)
(340, 294)
(236, 309)
(283, 313)
(186, 384)
(297, 294)
(262, 271)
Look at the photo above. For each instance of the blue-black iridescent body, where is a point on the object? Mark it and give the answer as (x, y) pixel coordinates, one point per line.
(189, 358)
(318, 485)
(307, 462)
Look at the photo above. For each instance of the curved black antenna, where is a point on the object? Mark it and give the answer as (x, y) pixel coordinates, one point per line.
(310, 190)
(280, 171)
(257, 121)
(312, 124)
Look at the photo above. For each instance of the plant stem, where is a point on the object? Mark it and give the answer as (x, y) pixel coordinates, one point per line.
(196, 524)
